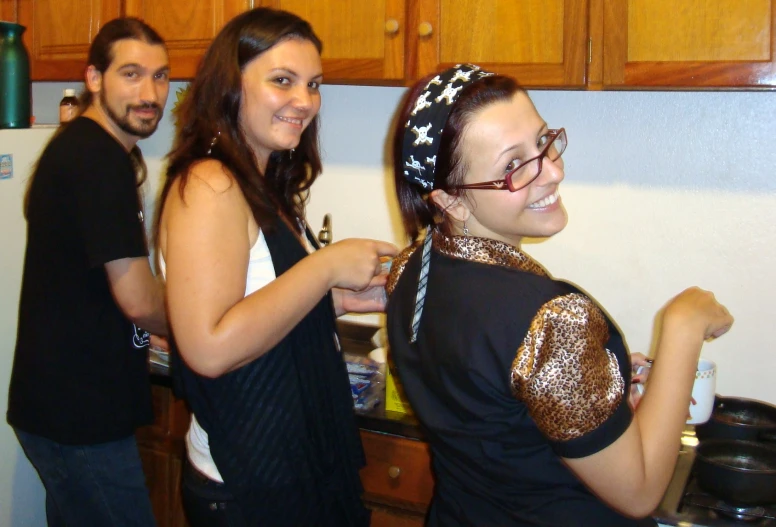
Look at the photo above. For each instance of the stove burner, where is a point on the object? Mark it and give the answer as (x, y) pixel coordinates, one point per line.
(685, 503)
(744, 514)
(747, 514)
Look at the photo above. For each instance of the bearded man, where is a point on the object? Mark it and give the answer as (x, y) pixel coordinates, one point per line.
(89, 301)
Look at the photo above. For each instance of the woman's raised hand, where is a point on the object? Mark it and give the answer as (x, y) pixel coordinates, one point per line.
(697, 308)
(354, 262)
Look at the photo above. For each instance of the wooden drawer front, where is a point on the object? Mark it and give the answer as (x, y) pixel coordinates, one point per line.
(397, 470)
(389, 517)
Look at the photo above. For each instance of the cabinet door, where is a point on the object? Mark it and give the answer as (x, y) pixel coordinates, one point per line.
(539, 42)
(59, 33)
(9, 10)
(187, 26)
(156, 466)
(363, 42)
(693, 43)
(177, 517)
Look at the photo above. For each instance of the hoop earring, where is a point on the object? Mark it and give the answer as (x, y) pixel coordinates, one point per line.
(465, 229)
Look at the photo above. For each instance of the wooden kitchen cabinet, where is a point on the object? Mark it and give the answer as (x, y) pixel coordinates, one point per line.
(162, 448)
(363, 42)
(187, 27)
(8, 10)
(689, 44)
(397, 479)
(59, 33)
(593, 44)
(542, 43)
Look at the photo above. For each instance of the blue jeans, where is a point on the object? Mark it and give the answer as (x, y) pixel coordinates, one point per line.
(91, 485)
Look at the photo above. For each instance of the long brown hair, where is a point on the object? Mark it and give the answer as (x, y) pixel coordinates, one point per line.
(211, 109)
(417, 209)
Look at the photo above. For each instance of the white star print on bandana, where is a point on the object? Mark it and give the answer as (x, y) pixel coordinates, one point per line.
(427, 120)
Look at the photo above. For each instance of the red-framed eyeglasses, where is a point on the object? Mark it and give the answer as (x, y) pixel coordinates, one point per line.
(525, 173)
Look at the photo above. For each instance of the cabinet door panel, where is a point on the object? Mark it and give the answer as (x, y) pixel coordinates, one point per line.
(540, 42)
(362, 41)
(156, 466)
(177, 517)
(59, 33)
(187, 27)
(8, 10)
(695, 43)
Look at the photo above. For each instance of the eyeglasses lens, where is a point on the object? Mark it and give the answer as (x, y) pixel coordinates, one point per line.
(530, 171)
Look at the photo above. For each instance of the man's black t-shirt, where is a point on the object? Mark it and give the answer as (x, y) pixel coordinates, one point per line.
(80, 373)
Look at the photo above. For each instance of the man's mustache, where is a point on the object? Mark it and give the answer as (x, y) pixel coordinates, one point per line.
(145, 106)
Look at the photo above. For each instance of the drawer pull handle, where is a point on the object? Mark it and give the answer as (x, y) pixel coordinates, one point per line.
(425, 29)
(394, 472)
(391, 26)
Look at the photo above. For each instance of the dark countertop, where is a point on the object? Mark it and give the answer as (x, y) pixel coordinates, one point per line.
(357, 339)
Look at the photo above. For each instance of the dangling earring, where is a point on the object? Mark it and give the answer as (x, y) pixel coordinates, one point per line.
(291, 154)
(465, 229)
(213, 142)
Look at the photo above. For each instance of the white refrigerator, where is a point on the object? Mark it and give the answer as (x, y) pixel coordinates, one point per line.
(22, 502)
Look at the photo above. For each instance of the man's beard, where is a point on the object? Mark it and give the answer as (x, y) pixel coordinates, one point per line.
(146, 126)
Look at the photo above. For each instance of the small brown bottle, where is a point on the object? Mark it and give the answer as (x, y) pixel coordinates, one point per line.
(68, 106)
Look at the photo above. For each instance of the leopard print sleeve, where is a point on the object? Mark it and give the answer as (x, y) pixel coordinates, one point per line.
(563, 372)
(397, 267)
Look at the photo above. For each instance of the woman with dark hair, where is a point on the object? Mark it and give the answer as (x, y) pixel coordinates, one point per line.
(524, 404)
(251, 298)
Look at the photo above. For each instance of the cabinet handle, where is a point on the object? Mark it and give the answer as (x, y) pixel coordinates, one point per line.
(425, 29)
(394, 472)
(391, 26)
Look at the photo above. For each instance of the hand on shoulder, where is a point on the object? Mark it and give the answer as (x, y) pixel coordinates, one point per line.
(353, 262)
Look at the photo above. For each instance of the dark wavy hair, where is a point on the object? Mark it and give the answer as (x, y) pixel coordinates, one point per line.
(211, 110)
(417, 210)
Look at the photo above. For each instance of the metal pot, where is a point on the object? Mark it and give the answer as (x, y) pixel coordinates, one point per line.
(739, 418)
(738, 472)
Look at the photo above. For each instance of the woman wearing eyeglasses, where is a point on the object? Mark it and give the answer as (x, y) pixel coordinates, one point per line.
(520, 381)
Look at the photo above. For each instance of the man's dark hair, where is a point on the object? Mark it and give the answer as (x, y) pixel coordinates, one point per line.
(101, 53)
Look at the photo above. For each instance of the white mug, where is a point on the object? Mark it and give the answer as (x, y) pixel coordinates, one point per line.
(703, 390)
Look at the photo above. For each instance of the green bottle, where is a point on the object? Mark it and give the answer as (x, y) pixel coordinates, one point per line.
(14, 78)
